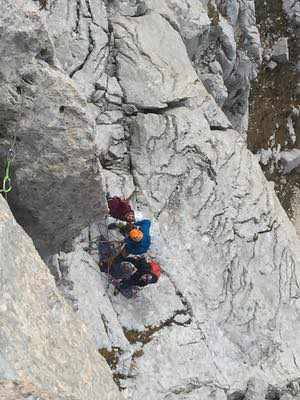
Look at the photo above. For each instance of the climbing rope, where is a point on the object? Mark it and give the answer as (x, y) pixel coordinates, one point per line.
(96, 240)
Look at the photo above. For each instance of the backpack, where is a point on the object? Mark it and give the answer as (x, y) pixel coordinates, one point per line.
(155, 268)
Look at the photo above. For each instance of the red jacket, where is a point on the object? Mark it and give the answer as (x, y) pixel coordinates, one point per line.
(118, 208)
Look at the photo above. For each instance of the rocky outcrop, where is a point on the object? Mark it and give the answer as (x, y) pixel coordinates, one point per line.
(223, 43)
(55, 161)
(222, 321)
(164, 63)
(239, 55)
(84, 44)
(237, 309)
(44, 344)
(79, 32)
(216, 221)
(280, 51)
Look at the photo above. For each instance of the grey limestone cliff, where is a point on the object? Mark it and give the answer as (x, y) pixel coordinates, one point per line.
(55, 154)
(153, 78)
(43, 342)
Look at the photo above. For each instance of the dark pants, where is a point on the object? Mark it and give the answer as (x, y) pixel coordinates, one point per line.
(132, 280)
(117, 271)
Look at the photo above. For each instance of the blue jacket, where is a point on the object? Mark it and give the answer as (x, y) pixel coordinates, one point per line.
(142, 246)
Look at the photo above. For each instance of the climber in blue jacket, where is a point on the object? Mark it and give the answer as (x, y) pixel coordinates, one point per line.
(138, 241)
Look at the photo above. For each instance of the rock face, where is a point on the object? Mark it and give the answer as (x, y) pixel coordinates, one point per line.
(233, 300)
(223, 320)
(289, 160)
(55, 154)
(161, 73)
(223, 43)
(280, 51)
(14, 390)
(79, 32)
(44, 345)
(239, 56)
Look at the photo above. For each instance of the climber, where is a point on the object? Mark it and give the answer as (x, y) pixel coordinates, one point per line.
(147, 272)
(120, 209)
(138, 240)
(137, 233)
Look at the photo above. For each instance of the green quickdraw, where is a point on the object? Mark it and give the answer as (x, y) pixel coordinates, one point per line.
(6, 185)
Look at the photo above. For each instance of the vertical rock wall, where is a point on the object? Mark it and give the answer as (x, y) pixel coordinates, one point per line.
(45, 118)
(44, 345)
(222, 321)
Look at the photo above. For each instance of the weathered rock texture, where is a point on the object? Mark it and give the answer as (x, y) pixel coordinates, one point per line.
(55, 153)
(223, 317)
(13, 390)
(44, 344)
(223, 43)
(223, 320)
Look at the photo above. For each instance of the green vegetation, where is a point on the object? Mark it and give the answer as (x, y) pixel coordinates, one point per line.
(213, 13)
(112, 357)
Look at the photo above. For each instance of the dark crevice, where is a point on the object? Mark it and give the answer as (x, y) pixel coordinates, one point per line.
(90, 50)
(273, 393)
(43, 4)
(171, 105)
(193, 386)
(46, 55)
(76, 29)
(144, 337)
(237, 395)
(88, 5)
(151, 110)
(218, 128)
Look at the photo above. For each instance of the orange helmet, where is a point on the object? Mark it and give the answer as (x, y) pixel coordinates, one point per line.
(136, 235)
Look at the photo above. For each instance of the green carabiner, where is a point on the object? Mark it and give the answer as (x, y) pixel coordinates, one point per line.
(6, 185)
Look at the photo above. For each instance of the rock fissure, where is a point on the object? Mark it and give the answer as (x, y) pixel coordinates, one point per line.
(88, 5)
(78, 16)
(193, 386)
(89, 52)
(225, 307)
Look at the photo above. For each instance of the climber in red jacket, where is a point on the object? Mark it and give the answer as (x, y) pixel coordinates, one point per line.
(147, 272)
(120, 209)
